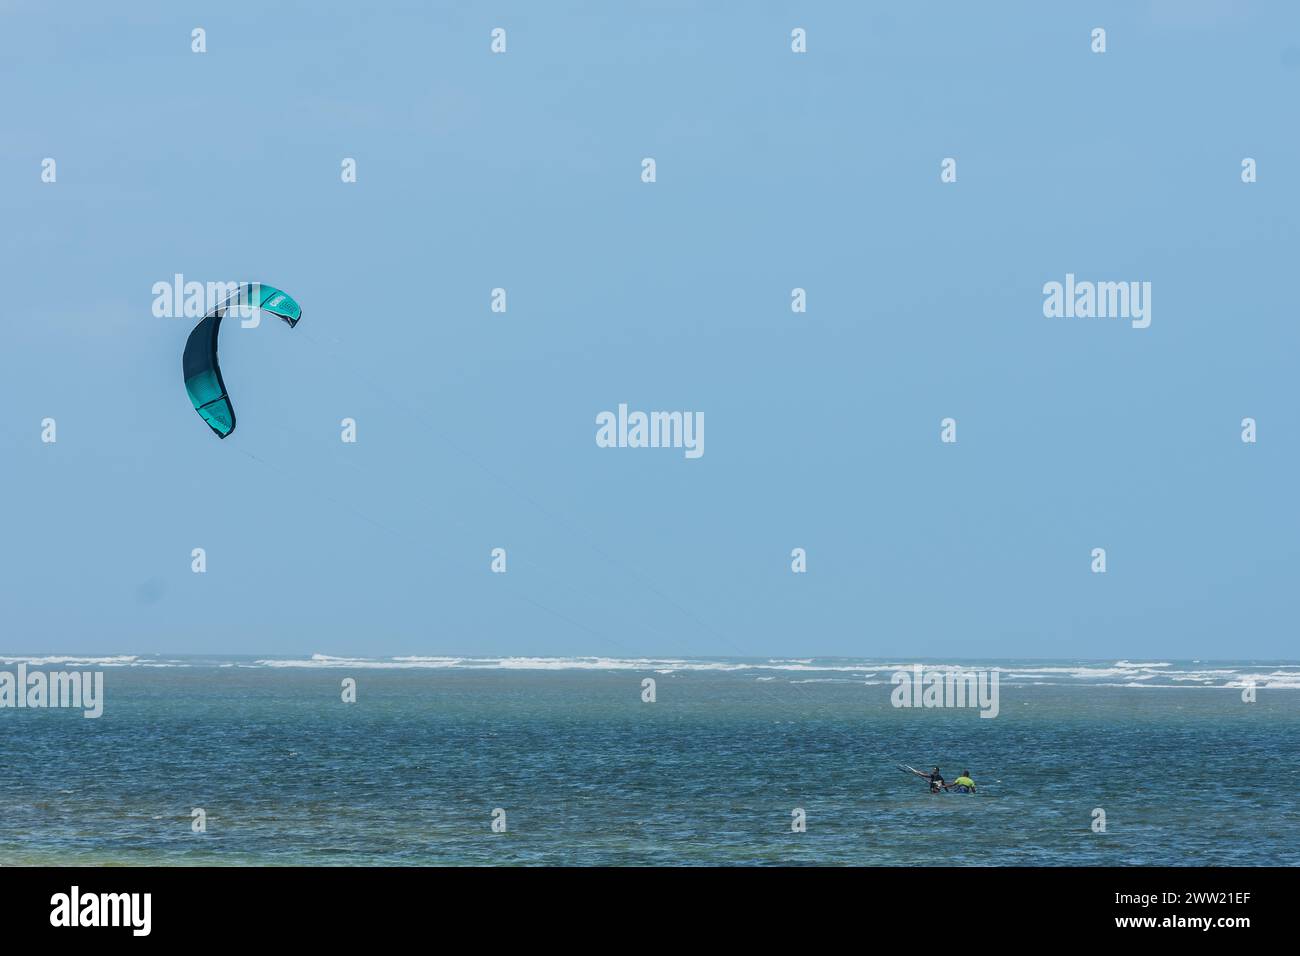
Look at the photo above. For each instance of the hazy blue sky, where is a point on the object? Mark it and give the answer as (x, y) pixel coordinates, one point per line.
(775, 171)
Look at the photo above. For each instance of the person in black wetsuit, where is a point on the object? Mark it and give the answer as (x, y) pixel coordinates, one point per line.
(937, 783)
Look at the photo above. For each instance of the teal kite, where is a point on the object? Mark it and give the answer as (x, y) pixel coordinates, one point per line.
(203, 379)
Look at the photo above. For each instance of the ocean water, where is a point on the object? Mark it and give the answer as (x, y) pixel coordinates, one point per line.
(1186, 772)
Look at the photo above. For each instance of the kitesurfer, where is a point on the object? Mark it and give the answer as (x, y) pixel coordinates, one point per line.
(934, 777)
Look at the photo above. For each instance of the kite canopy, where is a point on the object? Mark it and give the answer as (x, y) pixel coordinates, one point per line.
(203, 379)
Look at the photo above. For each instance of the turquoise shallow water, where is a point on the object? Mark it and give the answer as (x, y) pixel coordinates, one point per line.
(588, 774)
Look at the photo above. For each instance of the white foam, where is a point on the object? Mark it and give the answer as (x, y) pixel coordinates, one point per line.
(1121, 673)
(120, 660)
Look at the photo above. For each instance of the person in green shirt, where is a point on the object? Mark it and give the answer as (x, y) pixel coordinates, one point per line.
(963, 784)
